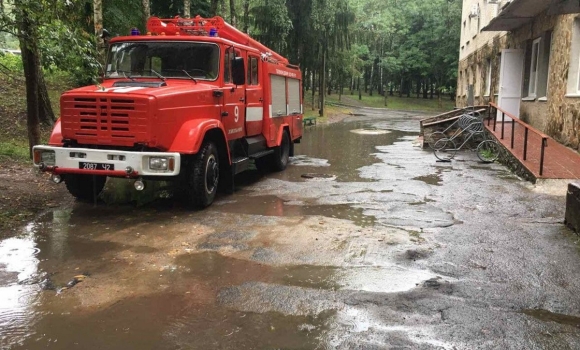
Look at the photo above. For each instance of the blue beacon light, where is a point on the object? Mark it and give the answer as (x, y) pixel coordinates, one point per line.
(135, 31)
(213, 32)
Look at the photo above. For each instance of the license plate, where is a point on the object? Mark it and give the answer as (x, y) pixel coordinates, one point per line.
(96, 166)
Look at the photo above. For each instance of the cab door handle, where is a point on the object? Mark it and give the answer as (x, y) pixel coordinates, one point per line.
(242, 99)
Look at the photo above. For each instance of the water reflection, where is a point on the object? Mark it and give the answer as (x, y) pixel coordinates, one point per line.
(18, 296)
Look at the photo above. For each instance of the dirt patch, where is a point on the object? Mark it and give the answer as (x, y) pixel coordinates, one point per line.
(24, 193)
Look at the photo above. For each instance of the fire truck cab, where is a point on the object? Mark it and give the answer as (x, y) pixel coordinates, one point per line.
(194, 101)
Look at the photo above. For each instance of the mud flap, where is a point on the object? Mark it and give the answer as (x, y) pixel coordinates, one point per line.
(226, 184)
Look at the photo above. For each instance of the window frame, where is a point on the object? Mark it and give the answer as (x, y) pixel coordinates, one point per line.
(534, 68)
(487, 92)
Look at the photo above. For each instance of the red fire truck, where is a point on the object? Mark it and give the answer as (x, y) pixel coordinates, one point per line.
(195, 101)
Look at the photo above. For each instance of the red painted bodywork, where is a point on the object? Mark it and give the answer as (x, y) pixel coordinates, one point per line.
(176, 117)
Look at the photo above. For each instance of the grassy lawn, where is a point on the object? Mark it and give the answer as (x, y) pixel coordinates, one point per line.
(13, 132)
(394, 102)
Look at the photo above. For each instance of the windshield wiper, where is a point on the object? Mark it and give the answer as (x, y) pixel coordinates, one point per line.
(158, 75)
(192, 78)
(127, 76)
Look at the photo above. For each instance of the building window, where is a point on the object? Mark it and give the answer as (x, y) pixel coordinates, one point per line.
(537, 65)
(477, 80)
(465, 82)
(534, 68)
(488, 78)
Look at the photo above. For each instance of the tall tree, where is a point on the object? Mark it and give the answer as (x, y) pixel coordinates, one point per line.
(28, 36)
(98, 24)
(233, 12)
(187, 8)
(146, 10)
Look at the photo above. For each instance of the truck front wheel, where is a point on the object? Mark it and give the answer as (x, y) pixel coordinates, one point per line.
(84, 188)
(203, 176)
(282, 153)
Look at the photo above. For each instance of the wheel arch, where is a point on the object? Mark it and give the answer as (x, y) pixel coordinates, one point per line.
(218, 138)
(193, 133)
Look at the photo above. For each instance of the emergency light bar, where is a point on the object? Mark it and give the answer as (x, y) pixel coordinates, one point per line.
(215, 26)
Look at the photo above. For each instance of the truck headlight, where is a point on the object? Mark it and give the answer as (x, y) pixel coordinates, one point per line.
(158, 163)
(46, 157)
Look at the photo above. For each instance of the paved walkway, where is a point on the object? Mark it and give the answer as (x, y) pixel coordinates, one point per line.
(560, 162)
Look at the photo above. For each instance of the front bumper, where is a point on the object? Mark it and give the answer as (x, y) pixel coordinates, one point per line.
(105, 162)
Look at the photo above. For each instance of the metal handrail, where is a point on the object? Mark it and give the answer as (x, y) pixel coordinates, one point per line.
(514, 119)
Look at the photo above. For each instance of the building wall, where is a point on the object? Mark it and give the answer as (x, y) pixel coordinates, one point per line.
(563, 122)
(472, 37)
(556, 114)
(475, 48)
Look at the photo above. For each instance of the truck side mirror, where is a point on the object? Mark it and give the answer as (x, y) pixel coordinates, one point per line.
(238, 71)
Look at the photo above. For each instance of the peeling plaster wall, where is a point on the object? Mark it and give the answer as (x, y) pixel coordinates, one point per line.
(564, 112)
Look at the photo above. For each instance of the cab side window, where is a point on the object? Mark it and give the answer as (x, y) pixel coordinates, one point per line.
(252, 71)
(228, 65)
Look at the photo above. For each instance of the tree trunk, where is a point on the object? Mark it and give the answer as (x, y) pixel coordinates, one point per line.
(371, 80)
(359, 90)
(146, 11)
(402, 87)
(351, 84)
(418, 88)
(313, 88)
(31, 64)
(233, 12)
(98, 23)
(46, 114)
(222, 8)
(425, 88)
(187, 8)
(323, 80)
(246, 15)
(213, 7)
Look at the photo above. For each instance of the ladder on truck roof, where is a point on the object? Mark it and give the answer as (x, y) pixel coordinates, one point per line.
(215, 26)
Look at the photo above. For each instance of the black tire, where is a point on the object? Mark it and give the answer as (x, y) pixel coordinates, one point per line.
(281, 154)
(85, 188)
(202, 177)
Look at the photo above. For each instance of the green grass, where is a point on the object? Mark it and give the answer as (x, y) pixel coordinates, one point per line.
(394, 102)
(15, 150)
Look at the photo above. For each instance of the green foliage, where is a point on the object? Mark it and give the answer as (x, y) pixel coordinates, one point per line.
(10, 63)
(16, 150)
(81, 63)
(271, 23)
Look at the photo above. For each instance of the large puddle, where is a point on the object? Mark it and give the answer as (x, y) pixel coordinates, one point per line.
(192, 295)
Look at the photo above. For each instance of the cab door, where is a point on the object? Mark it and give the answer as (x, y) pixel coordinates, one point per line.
(234, 110)
(254, 97)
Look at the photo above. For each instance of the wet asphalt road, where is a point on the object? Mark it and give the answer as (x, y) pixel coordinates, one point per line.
(364, 242)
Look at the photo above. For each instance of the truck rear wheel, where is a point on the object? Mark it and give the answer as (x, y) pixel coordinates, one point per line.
(202, 176)
(281, 153)
(84, 188)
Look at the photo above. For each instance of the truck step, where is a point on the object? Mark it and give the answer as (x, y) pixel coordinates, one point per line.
(261, 154)
(240, 164)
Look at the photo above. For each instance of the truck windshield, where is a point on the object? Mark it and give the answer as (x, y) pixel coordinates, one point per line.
(170, 59)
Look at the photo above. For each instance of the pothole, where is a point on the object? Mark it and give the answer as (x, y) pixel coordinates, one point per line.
(315, 176)
(370, 131)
